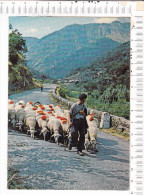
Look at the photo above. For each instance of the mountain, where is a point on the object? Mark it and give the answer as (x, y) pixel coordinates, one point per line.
(74, 46)
(112, 68)
(31, 41)
(83, 57)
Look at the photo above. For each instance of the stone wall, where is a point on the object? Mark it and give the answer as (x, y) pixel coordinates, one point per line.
(119, 123)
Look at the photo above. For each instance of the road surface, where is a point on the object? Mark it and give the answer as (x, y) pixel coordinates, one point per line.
(45, 165)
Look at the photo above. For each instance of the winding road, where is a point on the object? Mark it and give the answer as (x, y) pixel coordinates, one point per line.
(45, 165)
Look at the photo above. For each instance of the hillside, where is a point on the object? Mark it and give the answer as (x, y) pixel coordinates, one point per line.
(112, 68)
(74, 46)
(106, 81)
(82, 57)
(31, 42)
(20, 76)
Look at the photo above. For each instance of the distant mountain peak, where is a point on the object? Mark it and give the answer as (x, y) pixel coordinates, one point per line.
(115, 22)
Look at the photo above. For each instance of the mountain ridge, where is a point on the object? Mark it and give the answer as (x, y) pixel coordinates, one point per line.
(53, 50)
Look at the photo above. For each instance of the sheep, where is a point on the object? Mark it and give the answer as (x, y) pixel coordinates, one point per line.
(49, 124)
(59, 114)
(16, 103)
(11, 106)
(39, 113)
(64, 123)
(48, 107)
(29, 113)
(87, 141)
(28, 109)
(41, 107)
(91, 136)
(10, 101)
(18, 107)
(66, 112)
(22, 102)
(51, 105)
(20, 116)
(29, 104)
(58, 110)
(49, 114)
(65, 131)
(55, 127)
(42, 123)
(11, 115)
(31, 123)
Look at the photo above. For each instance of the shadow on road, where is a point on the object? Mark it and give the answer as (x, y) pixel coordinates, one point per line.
(110, 150)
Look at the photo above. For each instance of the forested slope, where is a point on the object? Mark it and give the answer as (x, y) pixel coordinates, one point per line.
(106, 81)
(20, 76)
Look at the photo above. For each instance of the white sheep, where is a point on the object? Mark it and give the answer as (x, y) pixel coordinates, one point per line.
(29, 104)
(29, 113)
(31, 123)
(65, 131)
(9, 100)
(27, 109)
(91, 136)
(22, 102)
(55, 127)
(18, 107)
(20, 116)
(11, 106)
(48, 107)
(49, 114)
(42, 124)
(30, 109)
(49, 124)
(44, 131)
(11, 114)
(58, 110)
(66, 112)
(64, 124)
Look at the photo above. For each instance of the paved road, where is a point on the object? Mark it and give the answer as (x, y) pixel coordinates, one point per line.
(46, 165)
(35, 95)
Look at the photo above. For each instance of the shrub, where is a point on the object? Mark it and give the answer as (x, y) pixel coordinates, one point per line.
(63, 91)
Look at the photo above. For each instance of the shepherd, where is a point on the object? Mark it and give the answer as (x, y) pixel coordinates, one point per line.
(41, 88)
(78, 125)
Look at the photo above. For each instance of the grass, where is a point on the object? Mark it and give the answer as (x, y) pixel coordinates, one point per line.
(58, 102)
(15, 181)
(71, 98)
(125, 135)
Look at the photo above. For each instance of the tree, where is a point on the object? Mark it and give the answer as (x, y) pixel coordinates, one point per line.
(19, 75)
(17, 46)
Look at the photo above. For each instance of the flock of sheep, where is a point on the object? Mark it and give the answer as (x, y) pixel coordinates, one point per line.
(48, 121)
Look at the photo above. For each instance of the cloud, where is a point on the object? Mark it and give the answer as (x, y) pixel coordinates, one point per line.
(105, 20)
(10, 31)
(29, 31)
(32, 30)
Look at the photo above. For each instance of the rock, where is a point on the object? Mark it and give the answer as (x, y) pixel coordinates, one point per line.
(105, 120)
(120, 122)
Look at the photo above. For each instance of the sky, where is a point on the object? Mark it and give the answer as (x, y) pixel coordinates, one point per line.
(41, 26)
